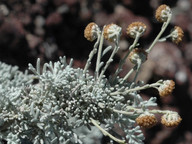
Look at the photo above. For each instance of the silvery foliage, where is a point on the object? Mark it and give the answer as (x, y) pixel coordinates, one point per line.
(52, 104)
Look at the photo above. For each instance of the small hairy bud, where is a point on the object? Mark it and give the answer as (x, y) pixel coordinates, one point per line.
(136, 55)
(111, 32)
(171, 119)
(146, 120)
(177, 35)
(166, 88)
(136, 28)
(91, 31)
(162, 13)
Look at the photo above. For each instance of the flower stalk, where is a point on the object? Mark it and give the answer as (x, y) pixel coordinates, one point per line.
(163, 28)
(154, 85)
(99, 55)
(92, 53)
(106, 133)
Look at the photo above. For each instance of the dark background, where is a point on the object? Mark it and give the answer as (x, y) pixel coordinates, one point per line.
(51, 28)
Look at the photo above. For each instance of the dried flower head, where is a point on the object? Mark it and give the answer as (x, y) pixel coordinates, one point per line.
(146, 120)
(166, 88)
(136, 28)
(137, 54)
(91, 31)
(171, 119)
(112, 32)
(162, 13)
(177, 35)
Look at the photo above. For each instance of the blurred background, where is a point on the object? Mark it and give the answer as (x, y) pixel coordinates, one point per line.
(51, 28)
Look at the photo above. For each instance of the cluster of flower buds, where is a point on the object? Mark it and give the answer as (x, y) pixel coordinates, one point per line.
(111, 32)
(148, 120)
(136, 30)
(137, 56)
(169, 119)
(163, 12)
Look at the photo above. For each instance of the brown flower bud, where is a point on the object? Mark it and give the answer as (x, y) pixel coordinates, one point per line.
(171, 119)
(111, 32)
(162, 13)
(91, 31)
(177, 35)
(136, 28)
(166, 88)
(137, 54)
(146, 120)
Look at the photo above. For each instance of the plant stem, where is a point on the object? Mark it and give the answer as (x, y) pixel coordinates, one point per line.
(99, 54)
(139, 111)
(154, 85)
(161, 111)
(125, 57)
(164, 38)
(106, 133)
(109, 61)
(129, 73)
(164, 26)
(124, 112)
(137, 71)
(92, 53)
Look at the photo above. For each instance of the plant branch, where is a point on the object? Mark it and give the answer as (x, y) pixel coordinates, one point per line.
(137, 71)
(106, 133)
(92, 53)
(108, 62)
(129, 73)
(154, 85)
(164, 26)
(125, 57)
(99, 54)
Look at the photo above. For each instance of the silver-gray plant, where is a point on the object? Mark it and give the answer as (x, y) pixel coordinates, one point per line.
(58, 104)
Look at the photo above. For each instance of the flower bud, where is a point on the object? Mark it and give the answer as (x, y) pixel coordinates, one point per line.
(91, 31)
(171, 119)
(146, 120)
(166, 88)
(137, 55)
(162, 13)
(112, 32)
(136, 28)
(177, 35)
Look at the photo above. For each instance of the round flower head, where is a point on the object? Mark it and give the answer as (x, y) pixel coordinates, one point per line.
(177, 35)
(112, 32)
(171, 119)
(91, 31)
(136, 28)
(162, 13)
(137, 55)
(166, 88)
(146, 120)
